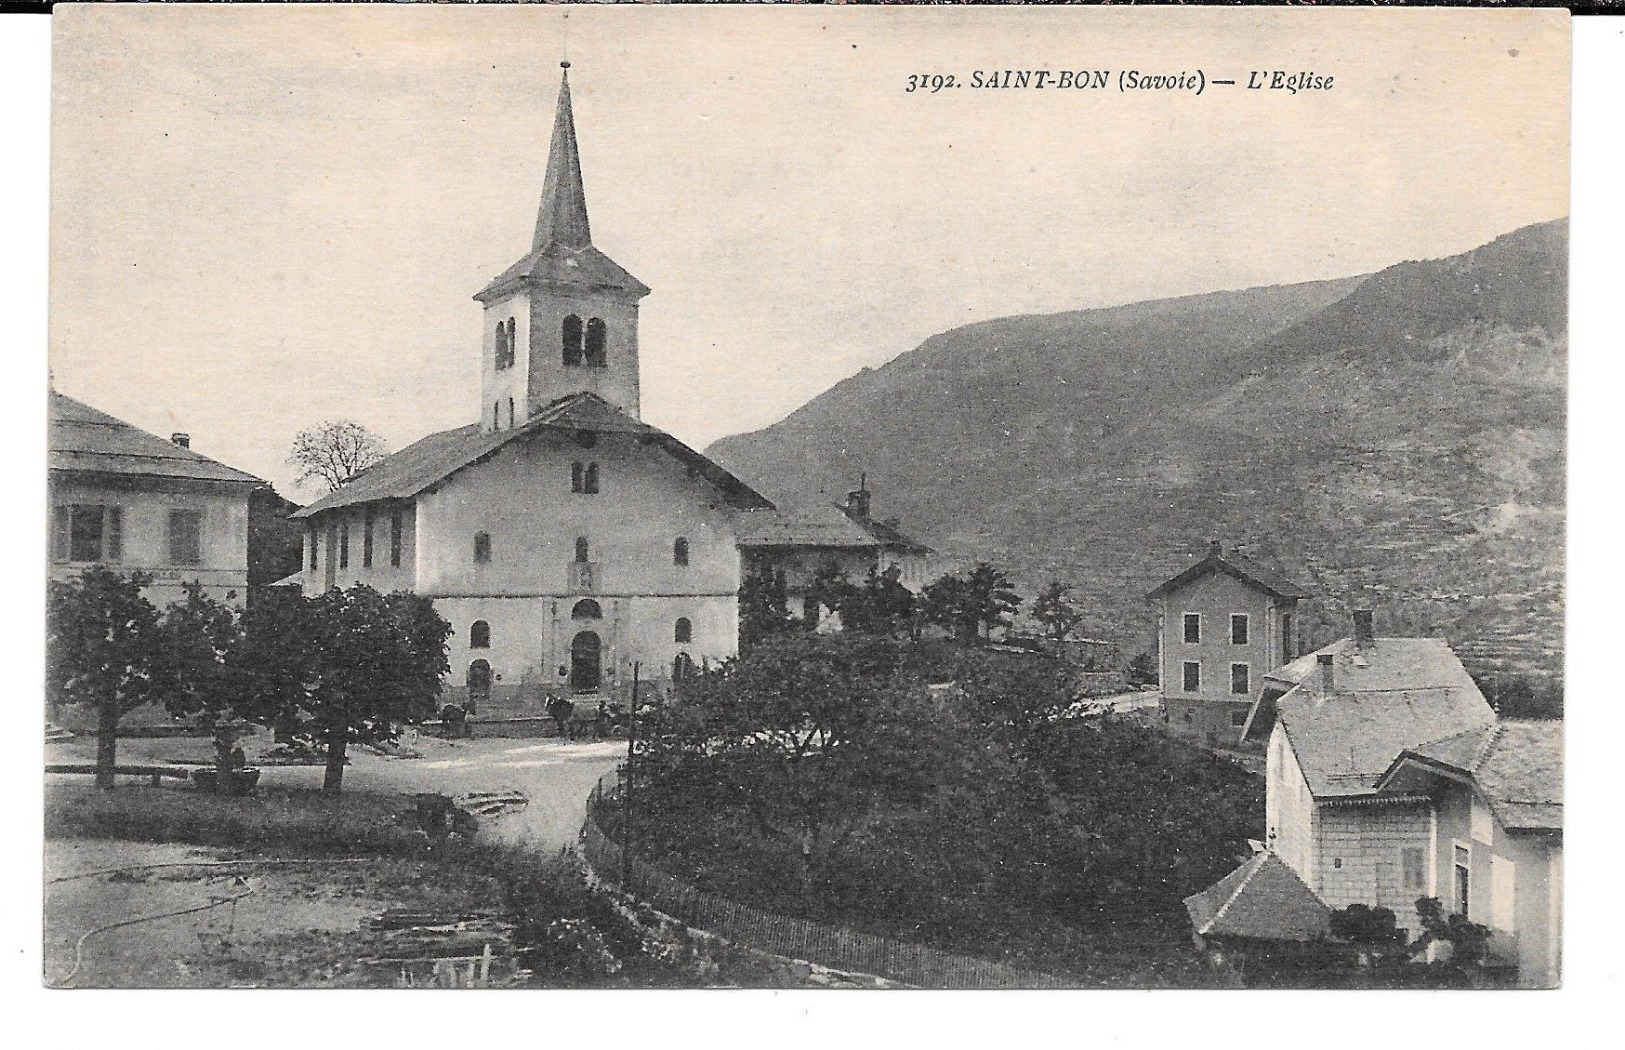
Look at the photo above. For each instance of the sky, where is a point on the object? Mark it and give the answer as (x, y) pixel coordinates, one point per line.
(264, 217)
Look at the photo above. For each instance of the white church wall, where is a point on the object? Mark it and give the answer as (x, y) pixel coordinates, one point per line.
(522, 498)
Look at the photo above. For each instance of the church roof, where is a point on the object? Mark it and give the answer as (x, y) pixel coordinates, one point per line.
(86, 439)
(1231, 563)
(561, 250)
(431, 460)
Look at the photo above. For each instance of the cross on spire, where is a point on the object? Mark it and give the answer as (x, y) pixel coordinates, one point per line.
(562, 218)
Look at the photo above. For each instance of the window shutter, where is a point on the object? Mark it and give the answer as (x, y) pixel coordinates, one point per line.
(115, 533)
(60, 532)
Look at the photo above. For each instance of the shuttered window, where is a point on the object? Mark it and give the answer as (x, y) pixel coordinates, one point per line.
(185, 537)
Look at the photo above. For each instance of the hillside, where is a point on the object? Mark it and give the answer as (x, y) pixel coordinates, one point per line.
(1394, 440)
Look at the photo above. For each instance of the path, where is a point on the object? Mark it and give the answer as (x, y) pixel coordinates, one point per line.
(556, 775)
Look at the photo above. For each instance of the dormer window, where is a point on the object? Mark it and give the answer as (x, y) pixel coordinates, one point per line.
(572, 340)
(596, 351)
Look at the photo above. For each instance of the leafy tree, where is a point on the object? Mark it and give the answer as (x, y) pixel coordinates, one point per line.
(1055, 611)
(882, 605)
(202, 640)
(764, 606)
(1142, 670)
(1516, 696)
(346, 667)
(800, 736)
(1008, 694)
(971, 604)
(334, 452)
(104, 649)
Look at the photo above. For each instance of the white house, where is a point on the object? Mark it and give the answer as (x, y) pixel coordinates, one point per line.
(135, 502)
(1335, 720)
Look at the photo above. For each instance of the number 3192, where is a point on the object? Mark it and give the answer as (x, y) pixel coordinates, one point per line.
(932, 82)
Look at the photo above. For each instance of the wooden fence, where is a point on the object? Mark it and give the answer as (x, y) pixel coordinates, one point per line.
(783, 935)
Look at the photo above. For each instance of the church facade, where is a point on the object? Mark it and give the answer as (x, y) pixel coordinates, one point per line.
(566, 541)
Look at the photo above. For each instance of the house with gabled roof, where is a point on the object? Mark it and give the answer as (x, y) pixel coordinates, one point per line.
(805, 544)
(1222, 623)
(133, 501)
(1334, 721)
(1496, 793)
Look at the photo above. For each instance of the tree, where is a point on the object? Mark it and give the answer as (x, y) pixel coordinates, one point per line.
(764, 606)
(882, 605)
(104, 649)
(798, 737)
(202, 640)
(972, 604)
(335, 452)
(346, 667)
(1055, 611)
(1142, 670)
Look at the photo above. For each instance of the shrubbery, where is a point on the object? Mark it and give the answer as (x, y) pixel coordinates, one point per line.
(825, 777)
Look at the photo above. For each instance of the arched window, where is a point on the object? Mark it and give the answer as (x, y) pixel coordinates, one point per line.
(684, 631)
(679, 552)
(578, 476)
(479, 635)
(597, 342)
(510, 413)
(513, 340)
(589, 481)
(482, 547)
(581, 549)
(572, 340)
(682, 667)
(586, 609)
(496, 415)
(500, 358)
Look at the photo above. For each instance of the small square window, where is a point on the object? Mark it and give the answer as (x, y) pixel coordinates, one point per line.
(1241, 679)
(1193, 676)
(1193, 628)
(1238, 628)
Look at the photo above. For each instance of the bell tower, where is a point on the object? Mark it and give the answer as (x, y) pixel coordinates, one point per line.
(564, 319)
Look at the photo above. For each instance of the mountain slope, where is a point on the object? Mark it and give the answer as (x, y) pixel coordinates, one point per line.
(1395, 439)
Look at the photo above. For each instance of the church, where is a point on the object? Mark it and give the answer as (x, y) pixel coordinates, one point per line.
(566, 541)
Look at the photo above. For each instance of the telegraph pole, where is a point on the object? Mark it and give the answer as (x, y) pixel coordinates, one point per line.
(626, 783)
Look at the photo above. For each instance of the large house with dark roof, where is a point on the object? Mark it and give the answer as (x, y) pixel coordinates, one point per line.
(1222, 623)
(136, 502)
(570, 544)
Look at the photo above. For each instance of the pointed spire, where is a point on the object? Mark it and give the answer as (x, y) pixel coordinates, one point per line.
(562, 218)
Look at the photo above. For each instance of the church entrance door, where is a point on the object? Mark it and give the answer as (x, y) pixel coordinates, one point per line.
(586, 670)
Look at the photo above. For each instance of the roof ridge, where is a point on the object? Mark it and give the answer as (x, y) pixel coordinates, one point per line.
(1486, 745)
(1258, 865)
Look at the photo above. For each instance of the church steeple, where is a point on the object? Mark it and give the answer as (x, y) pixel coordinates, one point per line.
(564, 319)
(562, 218)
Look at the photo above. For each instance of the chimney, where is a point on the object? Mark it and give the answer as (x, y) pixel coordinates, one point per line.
(1325, 660)
(1364, 637)
(857, 502)
(183, 440)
